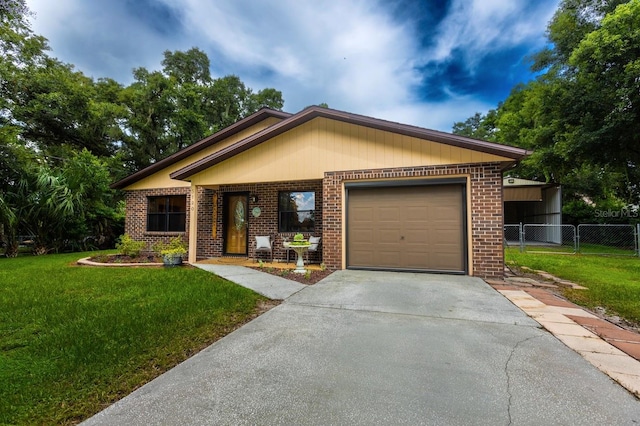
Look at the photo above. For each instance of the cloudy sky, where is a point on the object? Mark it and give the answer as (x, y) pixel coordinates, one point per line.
(424, 62)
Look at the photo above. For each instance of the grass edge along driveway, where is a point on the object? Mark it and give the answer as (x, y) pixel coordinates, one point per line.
(613, 281)
(75, 339)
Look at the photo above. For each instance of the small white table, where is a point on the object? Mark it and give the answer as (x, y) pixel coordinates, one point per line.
(299, 249)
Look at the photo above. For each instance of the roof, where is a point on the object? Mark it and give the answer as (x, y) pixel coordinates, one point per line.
(243, 124)
(290, 121)
(509, 181)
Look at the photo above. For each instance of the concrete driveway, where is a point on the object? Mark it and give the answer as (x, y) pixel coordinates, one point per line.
(383, 348)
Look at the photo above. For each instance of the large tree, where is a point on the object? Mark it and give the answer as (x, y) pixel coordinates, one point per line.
(581, 116)
(53, 105)
(53, 120)
(64, 136)
(181, 104)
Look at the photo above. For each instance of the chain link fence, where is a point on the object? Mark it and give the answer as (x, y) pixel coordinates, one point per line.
(512, 237)
(586, 238)
(549, 238)
(608, 239)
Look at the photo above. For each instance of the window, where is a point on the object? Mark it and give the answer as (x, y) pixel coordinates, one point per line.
(167, 213)
(296, 211)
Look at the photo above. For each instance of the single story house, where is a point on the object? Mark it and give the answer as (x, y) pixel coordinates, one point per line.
(380, 194)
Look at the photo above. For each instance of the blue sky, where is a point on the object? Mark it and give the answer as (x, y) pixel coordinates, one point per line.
(428, 63)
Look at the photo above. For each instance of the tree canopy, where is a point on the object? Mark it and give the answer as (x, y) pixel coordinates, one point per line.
(581, 115)
(170, 109)
(65, 136)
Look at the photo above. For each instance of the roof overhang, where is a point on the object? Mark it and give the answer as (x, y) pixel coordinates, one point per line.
(517, 189)
(243, 124)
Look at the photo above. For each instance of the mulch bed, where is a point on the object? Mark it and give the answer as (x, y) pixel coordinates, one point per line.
(121, 258)
(310, 278)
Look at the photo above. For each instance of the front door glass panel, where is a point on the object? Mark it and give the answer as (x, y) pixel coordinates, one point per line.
(236, 224)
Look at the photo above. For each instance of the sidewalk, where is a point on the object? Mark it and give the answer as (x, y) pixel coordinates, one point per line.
(610, 348)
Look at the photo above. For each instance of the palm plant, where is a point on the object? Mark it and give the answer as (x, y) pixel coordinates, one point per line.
(8, 228)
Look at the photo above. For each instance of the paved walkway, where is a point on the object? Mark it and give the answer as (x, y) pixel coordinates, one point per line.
(268, 285)
(382, 348)
(610, 348)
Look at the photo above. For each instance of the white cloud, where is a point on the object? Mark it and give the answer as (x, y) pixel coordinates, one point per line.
(100, 38)
(351, 54)
(479, 27)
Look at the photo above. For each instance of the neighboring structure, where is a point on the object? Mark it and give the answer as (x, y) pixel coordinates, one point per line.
(533, 202)
(382, 195)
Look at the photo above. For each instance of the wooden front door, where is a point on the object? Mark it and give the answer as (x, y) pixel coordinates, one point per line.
(236, 224)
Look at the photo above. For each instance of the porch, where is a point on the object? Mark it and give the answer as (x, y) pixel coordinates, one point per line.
(228, 218)
(253, 263)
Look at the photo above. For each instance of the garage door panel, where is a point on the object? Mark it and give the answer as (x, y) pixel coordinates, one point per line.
(415, 261)
(415, 227)
(444, 237)
(388, 257)
(417, 236)
(362, 258)
(415, 214)
(363, 213)
(388, 237)
(381, 258)
(365, 236)
(388, 214)
(392, 230)
(447, 260)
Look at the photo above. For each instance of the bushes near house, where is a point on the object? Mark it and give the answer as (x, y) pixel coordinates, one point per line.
(75, 339)
(130, 247)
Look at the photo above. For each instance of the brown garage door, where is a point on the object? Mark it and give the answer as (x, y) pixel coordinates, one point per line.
(406, 228)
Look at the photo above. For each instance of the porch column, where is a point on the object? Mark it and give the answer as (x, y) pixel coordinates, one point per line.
(193, 224)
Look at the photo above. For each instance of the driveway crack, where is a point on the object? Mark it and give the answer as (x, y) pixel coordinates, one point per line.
(506, 371)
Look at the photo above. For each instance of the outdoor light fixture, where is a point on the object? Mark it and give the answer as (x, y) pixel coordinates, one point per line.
(253, 198)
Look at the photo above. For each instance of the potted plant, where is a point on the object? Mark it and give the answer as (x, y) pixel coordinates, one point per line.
(172, 252)
(298, 240)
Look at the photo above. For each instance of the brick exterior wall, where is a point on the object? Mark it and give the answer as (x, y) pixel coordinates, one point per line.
(486, 210)
(136, 215)
(210, 245)
(486, 213)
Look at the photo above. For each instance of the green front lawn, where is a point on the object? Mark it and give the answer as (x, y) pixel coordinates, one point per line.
(613, 281)
(75, 339)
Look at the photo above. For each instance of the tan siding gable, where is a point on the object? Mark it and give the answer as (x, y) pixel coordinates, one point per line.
(322, 144)
(161, 178)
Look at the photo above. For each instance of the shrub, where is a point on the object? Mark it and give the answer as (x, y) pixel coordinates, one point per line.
(129, 247)
(175, 245)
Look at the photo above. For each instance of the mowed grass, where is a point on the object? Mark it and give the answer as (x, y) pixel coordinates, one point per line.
(75, 339)
(584, 249)
(613, 281)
